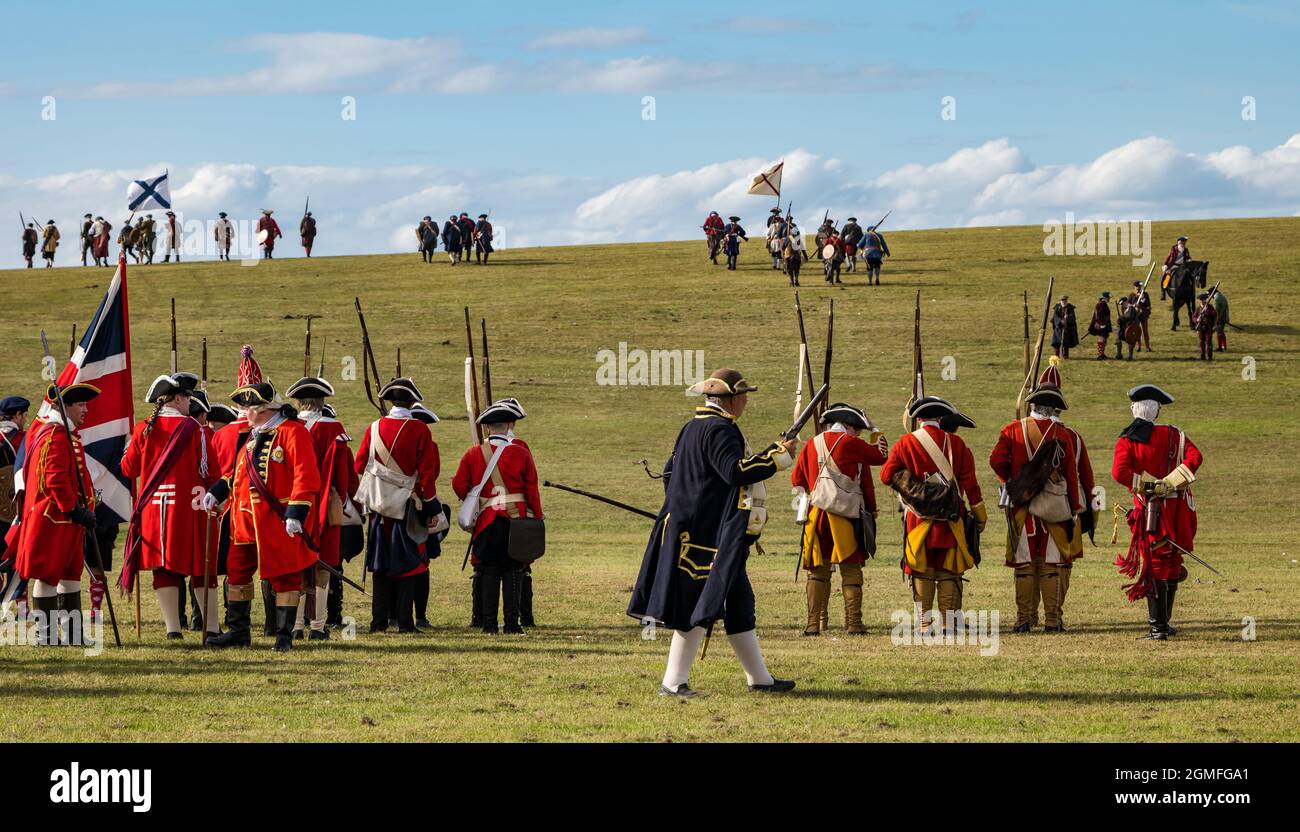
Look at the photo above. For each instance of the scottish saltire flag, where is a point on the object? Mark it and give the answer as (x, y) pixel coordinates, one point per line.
(153, 192)
(769, 181)
(103, 358)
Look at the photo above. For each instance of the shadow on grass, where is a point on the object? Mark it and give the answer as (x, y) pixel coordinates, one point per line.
(926, 696)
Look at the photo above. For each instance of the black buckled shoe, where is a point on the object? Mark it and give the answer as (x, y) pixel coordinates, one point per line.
(1020, 628)
(319, 635)
(682, 691)
(777, 686)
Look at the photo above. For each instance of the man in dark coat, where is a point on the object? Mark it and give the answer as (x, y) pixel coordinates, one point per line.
(693, 571)
(87, 239)
(732, 234)
(466, 226)
(850, 239)
(426, 234)
(307, 230)
(483, 240)
(452, 239)
(1065, 327)
(30, 239)
(1100, 325)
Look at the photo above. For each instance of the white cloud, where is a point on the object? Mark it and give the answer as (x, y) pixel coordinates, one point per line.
(589, 37)
(373, 210)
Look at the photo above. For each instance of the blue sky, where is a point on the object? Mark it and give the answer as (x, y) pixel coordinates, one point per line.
(552, 93)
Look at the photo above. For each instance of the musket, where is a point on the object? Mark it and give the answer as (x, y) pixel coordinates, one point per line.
(339, 574)
(399, 363)
(207, 518)
(803, 341)
(304, 212)
(1032, 375)
(792, 432)
(82, 502)
(471, 385)
(368, 360)
(306, 353)
(72, 345)
(876, 227)
(798, 380)
(173, 336)
(608, 501)
(826, 366)
(45, 344)
(918, 370)
(1025, 363)
(487, 364)
(321, 372)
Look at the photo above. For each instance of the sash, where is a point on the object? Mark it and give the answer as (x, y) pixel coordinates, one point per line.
(134, 539)
(263, 491)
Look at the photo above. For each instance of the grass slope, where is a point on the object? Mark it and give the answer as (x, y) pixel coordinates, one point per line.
(586, 672)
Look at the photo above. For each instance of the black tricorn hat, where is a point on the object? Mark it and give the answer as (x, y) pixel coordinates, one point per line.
(424, 414)
(853, 219)
(776, 210)
(72, 394)
(502, 410)
(400, 389)
(310, 387)
(164, 386)
(221, 414)
(482, 216)
(1048, 395)
(254, 395)
(221, 213)
(14, 404)
(189, 382)
(723, 382)
(933, 407)
(1145, 392)
(845, 414)
(199, 403)
(329, 411)
(734, 219)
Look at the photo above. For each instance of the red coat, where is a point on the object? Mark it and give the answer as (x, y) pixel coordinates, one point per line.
(49, 546)
(228, 441)
(172, 525)
(411, 448)
(289, 467)
(272, 229)
(713, 225)
(909, 454)
(1010, 455)
(1158, 456)
(336, 475)
(854, 457)
(518, 474)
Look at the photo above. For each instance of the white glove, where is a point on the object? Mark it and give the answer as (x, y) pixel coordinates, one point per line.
(208, 503)
(292, 527)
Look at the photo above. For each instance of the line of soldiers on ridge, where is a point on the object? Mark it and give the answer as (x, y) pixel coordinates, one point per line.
(785, 245)
(139, 241)
(271, 489)
(1132, 313)
(693, 572)
(458, 235)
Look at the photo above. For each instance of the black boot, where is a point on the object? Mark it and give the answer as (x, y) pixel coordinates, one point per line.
(421, 599)
(510, 589)
(68, 606)
(284, 617)
(196, 620)
(334, 603)
(476, 608)
(180, 606)
(1172, 590)
(381, 602)
(1158, 625)
(268, 609)
(526, 599)
(46, 631)
(238, 620)
(404, 602)
(489, 590)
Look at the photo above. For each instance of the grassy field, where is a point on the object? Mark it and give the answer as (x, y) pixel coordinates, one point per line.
(586, 673)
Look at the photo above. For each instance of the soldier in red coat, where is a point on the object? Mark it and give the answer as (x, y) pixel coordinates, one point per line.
(50, 535)
(1048, 504)
(169, 533)
(833, 474)
(399, 464)
(338, 482)
(267, 230)
(510, 491)
(931, 468)
(1205, 320)
(270, 497)
(1158, 464)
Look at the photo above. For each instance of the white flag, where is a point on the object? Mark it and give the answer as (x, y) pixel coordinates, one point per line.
(152, 192)
(768, 182)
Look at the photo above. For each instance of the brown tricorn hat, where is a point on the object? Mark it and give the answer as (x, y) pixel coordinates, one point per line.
(723, 382)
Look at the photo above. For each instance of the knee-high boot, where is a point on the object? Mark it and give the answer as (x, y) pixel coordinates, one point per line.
(510, 588)
(421, 599)
(476, 601)
(1157, 599)
(334, 604)
(1026, 597)
(68, 606)
(526, 598)
(268, 609)
(238, 619)
(489, 590)
(819, 595)
(1170, 592)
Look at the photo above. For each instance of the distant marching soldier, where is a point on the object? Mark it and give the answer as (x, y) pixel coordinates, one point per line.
(1205, 321)
(833, 473)
(426, 236)
(732, 234)
(169, 533)
(776, 230)
(452, 239)
(793, 252)
(103, 231)
(49, 243)
(850, 238)
(713, 226)
(1220, 302)
(1128, 329)
(402, 447)
(338, 482)
(466, 226)
(931, 468)
(270, 498)
(87, 239)
(223, 233)
(30, 240)
(508, 491)
(148, 237)
(173, 241)
(483, 240)
(307, 231)
(126, 241)
(1047, 484)
(1142, 301)
(50, 542)
(1100, 326)
(824, 233)
(1158, 464)
(833, 257)
(874, 250)
(1065, 327)
(1179, 255)
(693, 571)
(267, 232)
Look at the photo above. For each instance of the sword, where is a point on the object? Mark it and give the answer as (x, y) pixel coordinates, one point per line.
(1193, 557)
(615, 503)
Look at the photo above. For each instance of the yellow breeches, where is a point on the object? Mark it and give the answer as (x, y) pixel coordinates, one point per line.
(957, 559)
(843, 537)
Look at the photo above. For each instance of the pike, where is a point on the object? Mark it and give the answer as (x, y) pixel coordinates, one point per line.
(82, 502)
(173, 336)
(471, 386)
(1032, 375)
(918, 370)
(608, 501)
(368, 355)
